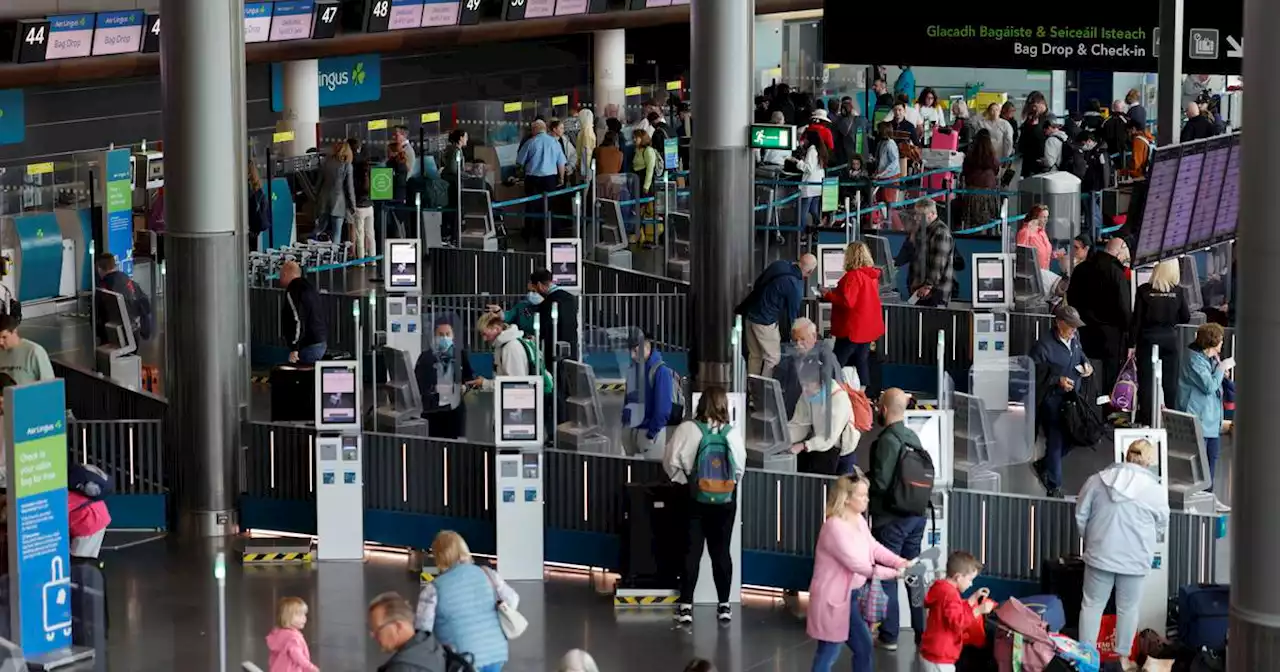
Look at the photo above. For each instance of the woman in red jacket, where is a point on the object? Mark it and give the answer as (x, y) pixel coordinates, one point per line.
(857, 317)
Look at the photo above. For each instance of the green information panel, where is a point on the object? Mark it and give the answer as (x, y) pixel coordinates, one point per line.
(769, 136)
(830, 194)
(381, 183)
(119, 196)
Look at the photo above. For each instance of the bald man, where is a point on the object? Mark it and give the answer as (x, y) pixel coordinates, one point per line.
(768, 311)
(544, 165)
(899, 531)
(1199, 126)
(1100, 291)
(301, 318)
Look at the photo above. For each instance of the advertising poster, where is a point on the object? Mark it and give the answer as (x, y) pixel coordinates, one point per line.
(39, 547)
(830, 194)
(671, 153)
(118, 213)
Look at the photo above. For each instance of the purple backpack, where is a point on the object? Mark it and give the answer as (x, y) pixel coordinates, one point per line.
(1124, 394)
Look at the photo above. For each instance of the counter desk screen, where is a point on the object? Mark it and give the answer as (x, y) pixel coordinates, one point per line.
(519, 404)
(118, 32)
(257, 22)
(339, 406)
(292, 20)
(831, 264)
(564, 263)
(402, 272)
(1155, 214)
(70, 36)
(993, 286)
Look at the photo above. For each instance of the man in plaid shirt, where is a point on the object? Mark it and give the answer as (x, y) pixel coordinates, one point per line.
(932, 270)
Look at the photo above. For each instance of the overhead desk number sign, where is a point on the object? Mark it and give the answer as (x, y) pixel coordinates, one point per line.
(69, 36)
(118, 32)
(257, 22)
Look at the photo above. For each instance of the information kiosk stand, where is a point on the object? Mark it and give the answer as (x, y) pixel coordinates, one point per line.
(403, 272)
(1154, 608)
(517, 432)
(992, 301)
(339, 461)
(117, 357)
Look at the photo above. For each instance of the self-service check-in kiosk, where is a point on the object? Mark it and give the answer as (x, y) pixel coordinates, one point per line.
(517, 432)
(148, 174)
(339, 461)
(936, 437)
(767, 440)
(117, 357)
(1153, 610)
(398, 409)
(830, 270)
(705, 591)
(402, 258)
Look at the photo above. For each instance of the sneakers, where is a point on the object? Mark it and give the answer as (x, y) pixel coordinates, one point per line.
(684, 614)
(1055, 493)
(724, 613)
(1219, 506)
(887, 646)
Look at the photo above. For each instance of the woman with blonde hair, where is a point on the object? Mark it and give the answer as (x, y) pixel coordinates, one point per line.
(857, 316)
(846, 559)
(1120, 512)
(336, 193)
(586, 140)
(458, 607)
(578, 660)
(1157, 311)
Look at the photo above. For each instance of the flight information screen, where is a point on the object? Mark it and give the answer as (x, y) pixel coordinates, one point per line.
(118, 32)
(1182, 203)
(1229, 203)
(1164, 175)
(1207, 201)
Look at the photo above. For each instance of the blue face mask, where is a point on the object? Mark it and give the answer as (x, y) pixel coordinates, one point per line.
(444, 343)
(817, 397)
(534, 298)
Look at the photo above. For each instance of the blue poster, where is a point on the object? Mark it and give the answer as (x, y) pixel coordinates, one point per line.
(13, 112)
(118, 212)
(343, 80)
(39, 547)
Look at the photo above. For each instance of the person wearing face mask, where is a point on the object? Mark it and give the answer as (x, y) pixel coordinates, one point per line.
(524, 313)
(511, 351)
(820, 429)
(442, 372)
(804, 350)
(564, 329)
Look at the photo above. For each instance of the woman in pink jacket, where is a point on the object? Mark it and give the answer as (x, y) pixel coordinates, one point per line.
(847, 557)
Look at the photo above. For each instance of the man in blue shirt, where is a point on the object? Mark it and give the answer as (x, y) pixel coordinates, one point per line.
(544, 163)
(1060, 367)
(770, 308)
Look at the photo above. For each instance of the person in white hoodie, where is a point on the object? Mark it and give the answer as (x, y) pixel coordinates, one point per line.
(1054, 140)
(510, 350)
(999, 129)
(813, 169)
(1120, 512)
(821, 428)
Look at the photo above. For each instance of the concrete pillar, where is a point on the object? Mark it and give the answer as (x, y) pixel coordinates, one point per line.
(610, 64)
(1169, 82)
(202, 84)
(1255, 537)
(722, 177)
(301, 112)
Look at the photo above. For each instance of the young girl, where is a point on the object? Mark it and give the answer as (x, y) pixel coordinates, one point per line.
(289, 652)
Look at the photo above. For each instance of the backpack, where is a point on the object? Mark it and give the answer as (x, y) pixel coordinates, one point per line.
(1073, 160)
(538, 366)
(676, 416)
(862, 415)
(1124, 394)
(89, 481)
(260, 212)
(659, 163)
(1082, 422)
(911, 490)
(714, 472)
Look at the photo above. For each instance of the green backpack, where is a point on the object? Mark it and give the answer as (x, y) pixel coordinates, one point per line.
(714, 472)
(537, 366)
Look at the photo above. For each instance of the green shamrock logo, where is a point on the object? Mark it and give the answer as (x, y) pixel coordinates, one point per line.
(358, 74)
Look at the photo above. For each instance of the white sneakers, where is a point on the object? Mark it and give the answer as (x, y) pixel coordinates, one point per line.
(684, 613)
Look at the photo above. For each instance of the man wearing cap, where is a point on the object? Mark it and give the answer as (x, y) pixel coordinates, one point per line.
(1060, 366)
(1055, 140)
(820, 123)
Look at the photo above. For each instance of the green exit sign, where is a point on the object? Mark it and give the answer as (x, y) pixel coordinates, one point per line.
(769, 136)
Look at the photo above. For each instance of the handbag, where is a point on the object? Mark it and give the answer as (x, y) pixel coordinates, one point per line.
(873, 602)
(513, 623)
(1124, 393)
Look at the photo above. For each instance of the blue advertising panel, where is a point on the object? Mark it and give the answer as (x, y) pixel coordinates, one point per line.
(39, 579)
(343, 80)
(118, 212)
(13, 117)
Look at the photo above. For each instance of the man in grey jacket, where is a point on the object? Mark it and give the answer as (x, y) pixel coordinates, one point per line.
(391, 624)
(1121, 512)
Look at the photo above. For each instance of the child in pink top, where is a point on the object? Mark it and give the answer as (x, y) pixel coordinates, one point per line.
(289, 652)
(847, 558)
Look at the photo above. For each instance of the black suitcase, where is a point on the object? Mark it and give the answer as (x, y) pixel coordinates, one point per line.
(88, 605)
(293, 394)
(1064, 577)
(654, 536)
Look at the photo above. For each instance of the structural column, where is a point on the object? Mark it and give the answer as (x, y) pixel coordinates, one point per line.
(722, 174)
(610, 62)
(1169, 77)
(1255, 536)
(301, 113)
(202, 84)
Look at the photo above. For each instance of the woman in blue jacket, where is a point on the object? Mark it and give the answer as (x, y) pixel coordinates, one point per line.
(1200, 392)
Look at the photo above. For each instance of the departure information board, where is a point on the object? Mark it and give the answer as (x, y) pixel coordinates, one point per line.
(1229, 203)
(118, 32)
(257, 22)
(1215, 169)
(1164, 174)
(1183, 201)
(1193, 198)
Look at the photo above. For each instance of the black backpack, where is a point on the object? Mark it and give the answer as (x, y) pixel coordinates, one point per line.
(911, 491)
(1082, 422)
(1073, 160)
(458, 662)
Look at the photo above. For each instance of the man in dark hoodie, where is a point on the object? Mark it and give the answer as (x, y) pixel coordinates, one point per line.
(111, 278)
(391, 625)
(850, 127)
(1099, 290)
(565, 327)
(301, 320)
(1115, 134)
(770, 308)
(1199, 126)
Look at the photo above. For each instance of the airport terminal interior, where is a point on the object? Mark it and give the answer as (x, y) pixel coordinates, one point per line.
(318, 280)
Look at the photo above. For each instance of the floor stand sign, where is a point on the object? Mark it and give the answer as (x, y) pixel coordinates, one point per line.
(403, 275)
(705, 590)
(39, 544)
(339, 462)
(1154, 608)
(517, 433)
(117, 215)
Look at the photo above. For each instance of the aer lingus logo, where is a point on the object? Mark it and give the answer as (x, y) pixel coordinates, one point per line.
(358, 73)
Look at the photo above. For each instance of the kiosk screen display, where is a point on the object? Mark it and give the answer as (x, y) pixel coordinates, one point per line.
(338, 395)
(118, 32)
(1207, 201)
(404, 266)
(992, 284)
(1164, 175)
(519, 411)
(69, 36)
(1182, 201)
(1229, 202)
(564, 264)
(292, 20)
(832, 264)
(257, 22)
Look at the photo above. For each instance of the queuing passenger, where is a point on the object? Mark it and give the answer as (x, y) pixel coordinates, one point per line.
(87, 513)
(851, 131)
(950, 615)
(608, 156)
(555, 128)
(1055, 145)
(813, 170)
(999, 130)
(301, 319)
(661, 131)
(903, 124)
(1093, 119)
(655, 392)
(888, 163)
(644, 165)
(857, 316)
(441, 372)
(770, 308)
(1099, 291)
(1031, 143)
(577, 660)
(1200, 392)
(981, 171)
(900, 532)
(391, 625)
(905, 85)
(1121, 512)
(289, 650)
(564, 328)
(1009, 113)
(258, 206)
(805, 351)
(1134, 108)
(1032, 234)
(400, 136)
(1158, 309)
(708, 455)
(458, 606)
(136, 302)
(1115, 134)
(762, 113)
(510, 350)
(929, 108)
(335, 195)
(960, 124)
(783, 103)
(878, 101)
(932, 268)
(820, 123)
(362, 231)
(845, 560)
(1198, 127)
(544, 167)
(398, 162)
(773, 157)
(821, 430)
(1060, 365)
(586, 141)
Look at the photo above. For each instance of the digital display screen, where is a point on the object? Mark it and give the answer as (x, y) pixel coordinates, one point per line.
(832, 264)
(1206, 212)
(405, 14)
(1183, 201)
(1229, 203)
(440, 13)
(70, 36)
(404, 265)
(519, 403)
(1164, 175)
(650, 4)
(118, 32)
(338, 395)
(292, 20)
(570, 7)
(257, 22)
(992, 284)
(564, 264)
(538, 9)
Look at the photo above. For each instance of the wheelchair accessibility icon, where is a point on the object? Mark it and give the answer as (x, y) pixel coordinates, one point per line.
(57, 601)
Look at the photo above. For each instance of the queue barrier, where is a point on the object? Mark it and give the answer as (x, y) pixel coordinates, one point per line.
(470, 271)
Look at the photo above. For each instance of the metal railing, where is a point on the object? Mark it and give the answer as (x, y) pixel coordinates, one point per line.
(266, 306)
(131, 452)
(470, 271)
(90, 396)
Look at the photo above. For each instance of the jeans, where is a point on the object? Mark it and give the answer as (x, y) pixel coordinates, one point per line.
(901, 535)
(1097, 589)
(859, 643)
(329, 224)
(310, 354)
(857, 355)
(812, 207)
(1211, 448)
(1056, 446)
(711, 524)
(847, 464)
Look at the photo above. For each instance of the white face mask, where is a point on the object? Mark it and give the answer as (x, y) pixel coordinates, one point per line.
(534, 298)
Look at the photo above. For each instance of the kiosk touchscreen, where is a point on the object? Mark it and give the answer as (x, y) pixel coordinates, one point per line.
(518, 469)
(830, 265)
(518, 415)
(564, 259)
(337, 396)
(403, 270)
(1154, 608)
(992, 281)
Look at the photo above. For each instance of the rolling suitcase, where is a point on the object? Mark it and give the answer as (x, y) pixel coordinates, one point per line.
(88, 604)
(1202, 615)
(293, 394)
(151, 378)
(1064, 577)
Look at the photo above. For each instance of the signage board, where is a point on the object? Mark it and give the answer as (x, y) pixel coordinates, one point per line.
(118, 32)
(118, 211)
(151, 35)
(13, 116)
(257, 22)
(440, 13)
(405, 14)
(343, 80)
(70, 36)
(830, 194)
(325, 19)
(381, 183)
(514, 10)
(571, 7)
(430, 117)
(291, 20)
(671, 153)
(770, 136)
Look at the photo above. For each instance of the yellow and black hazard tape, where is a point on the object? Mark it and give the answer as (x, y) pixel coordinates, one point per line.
(926, 407)
(650, 601)
(611, 387)
(276, 557)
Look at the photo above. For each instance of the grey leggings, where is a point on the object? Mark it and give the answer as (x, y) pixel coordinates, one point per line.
(1097, 589)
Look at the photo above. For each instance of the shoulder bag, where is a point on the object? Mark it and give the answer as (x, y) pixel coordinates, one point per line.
(512, 622)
